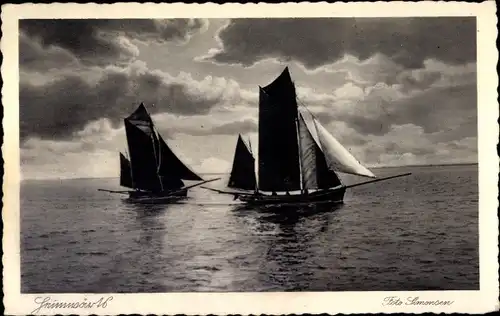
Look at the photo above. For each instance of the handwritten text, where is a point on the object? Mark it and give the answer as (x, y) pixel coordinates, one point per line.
(49, 303)
(413, 300)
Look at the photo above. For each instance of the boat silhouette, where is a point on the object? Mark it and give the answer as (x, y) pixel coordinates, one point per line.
(152, 170)
(298, 159)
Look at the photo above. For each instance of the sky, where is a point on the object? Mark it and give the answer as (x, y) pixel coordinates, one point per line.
(394, 91)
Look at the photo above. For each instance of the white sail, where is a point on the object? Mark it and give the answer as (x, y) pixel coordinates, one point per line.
(307, 155)
(337, 157)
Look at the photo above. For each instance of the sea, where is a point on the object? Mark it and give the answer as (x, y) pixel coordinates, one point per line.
(418, 232)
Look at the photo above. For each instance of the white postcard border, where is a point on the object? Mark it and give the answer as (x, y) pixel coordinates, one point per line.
(483, 300)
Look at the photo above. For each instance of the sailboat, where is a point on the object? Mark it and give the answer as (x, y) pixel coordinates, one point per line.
(298, 159)
(242, 173)
(153, 171)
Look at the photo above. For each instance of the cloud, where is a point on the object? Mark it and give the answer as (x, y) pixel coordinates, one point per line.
(93, 152)
(376, 68)
(435, 109)
(101, 41)
(409, 144)
(238, 127)
(43, 159)
(438, 97)
(319, 41)
(60, 107)
(35, 57)
(218, 122)
(214, 165)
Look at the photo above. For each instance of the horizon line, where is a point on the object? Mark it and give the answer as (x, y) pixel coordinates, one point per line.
(228, 172)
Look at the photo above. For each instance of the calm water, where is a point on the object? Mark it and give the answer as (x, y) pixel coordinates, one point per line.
(413, 233)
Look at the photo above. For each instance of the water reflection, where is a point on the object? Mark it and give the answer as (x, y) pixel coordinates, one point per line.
(288, 214)
(293, 238)
(149, 222)
(148, 210)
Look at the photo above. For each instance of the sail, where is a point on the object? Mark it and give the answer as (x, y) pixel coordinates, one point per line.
(315, 171)
(308, 152)
(279, 168)
(140, 118)
(337, 157)
(172, 166)
(142, 157)
(282, 91)
(243, 171)
(125, 172)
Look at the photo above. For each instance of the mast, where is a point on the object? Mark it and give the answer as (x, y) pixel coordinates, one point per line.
(127, 156)
(256, 185)
(301, 163)
(157, 153)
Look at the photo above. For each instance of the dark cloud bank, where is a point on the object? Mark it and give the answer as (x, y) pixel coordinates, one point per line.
(318, 41)
(95, 41)
(64, 105)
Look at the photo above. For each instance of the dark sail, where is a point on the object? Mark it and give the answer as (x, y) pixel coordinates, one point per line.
(153, 166)
(139, 131)
(125, 172)
(171, 166)
(141, 119)
(279, 168)
(243, 172)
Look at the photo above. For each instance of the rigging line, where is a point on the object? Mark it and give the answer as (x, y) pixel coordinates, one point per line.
(305, 107)
(250, 145)
(130, 160)
(153, 135)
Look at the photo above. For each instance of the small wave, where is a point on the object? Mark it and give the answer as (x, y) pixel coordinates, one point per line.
(36, 248)
(51, 234)
(207, 268)
(92, 253)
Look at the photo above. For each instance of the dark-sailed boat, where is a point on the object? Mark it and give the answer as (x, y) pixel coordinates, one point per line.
(243, 174)
(152, 170)
(298, 159)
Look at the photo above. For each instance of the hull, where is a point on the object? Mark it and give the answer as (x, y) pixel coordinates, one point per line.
(325, 196)
(157, 198)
